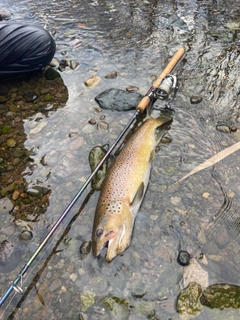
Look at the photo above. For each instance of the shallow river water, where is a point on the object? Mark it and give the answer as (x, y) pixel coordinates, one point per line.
(199, 215)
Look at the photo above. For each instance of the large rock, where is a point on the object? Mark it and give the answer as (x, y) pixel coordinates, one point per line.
(118, 100)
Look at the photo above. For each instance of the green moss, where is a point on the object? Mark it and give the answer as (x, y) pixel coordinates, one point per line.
(6, 129)
(118, 307)
(221, 296)
(47, 97)
(87, 299)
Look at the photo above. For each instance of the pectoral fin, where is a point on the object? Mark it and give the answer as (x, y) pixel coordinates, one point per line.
(138, 196)
(151, 156)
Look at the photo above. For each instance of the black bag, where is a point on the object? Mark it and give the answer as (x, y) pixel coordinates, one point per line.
(24, 48)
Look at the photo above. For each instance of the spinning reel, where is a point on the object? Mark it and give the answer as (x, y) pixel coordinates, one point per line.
(166, 91)
(167, 86)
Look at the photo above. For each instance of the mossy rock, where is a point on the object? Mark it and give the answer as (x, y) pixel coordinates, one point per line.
(6, 129)
(221, 296)
(118, 307)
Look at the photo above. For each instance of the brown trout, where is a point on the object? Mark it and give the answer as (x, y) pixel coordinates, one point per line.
(124, 188)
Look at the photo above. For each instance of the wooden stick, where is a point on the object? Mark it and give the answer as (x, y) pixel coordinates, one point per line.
(146, 100)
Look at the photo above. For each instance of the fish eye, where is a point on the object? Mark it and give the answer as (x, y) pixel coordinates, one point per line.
(99, 232)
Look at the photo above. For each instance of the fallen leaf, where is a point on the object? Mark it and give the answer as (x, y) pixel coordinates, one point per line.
(213, 160)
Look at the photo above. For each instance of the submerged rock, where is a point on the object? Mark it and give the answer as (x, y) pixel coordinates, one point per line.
(223, 128)
(26, 235)
(118, 100)
(93, 81)
(145, 308)
(221, 296)
(183, 258)
(11, 142)
(6, 251)
(95, 156)
(195, 273)
(87, 299)
(10, 255)
(119, 308)
(195, 99)
(51, 74)
(6, 205)
(85, 248)
(111, 75)
(188, 300)
(102, 125)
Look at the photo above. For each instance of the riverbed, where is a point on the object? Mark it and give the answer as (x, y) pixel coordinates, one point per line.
(53, 135)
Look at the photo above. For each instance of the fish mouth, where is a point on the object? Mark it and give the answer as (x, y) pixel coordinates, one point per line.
(112, 241)
(114, 247)
(107, 239)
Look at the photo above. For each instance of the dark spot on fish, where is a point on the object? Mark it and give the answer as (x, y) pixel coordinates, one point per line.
(99, 232)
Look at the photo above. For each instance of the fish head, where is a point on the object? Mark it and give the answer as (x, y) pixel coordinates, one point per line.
(112, 228)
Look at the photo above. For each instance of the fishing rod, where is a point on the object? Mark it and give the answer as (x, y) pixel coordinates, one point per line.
(155, 92)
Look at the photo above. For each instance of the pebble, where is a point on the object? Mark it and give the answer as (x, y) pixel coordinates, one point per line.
(93, 81)
(205, 195)
(233, 25)
(11, 142)
(153, 217)
(63, 289)
(87, 129)
(54, 62)
(223, 128)
(183, 258)
(77, 143)
(16, 161)
(8, 231)
(132, 88)
(102, 125)
(19, 153)
(237, 135)
(233, 128)
(195, 99)
(56, 284)
(15, 195)
(73, 277)
(38, 127)
(48, 97)
(26, 235)
(175, 200)
(6, 206)
(111, 75)
(92, 121)
(45, 90)
(30, 96)
(51, 74)
(73, 65)
(230, 194)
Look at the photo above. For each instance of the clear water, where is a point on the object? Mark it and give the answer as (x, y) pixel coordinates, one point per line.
(136, 40)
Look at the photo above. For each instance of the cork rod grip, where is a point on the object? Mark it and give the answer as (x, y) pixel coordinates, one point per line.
(172, 63)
